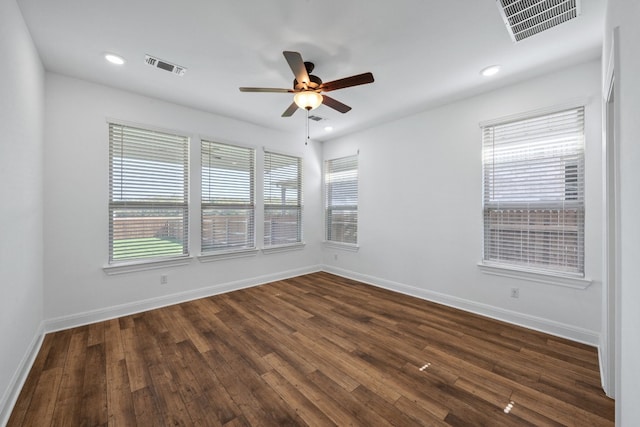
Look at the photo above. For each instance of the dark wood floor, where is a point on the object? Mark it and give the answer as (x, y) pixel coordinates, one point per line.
(314, 350)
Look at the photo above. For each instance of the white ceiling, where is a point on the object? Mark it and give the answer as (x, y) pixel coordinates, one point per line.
(421, 52)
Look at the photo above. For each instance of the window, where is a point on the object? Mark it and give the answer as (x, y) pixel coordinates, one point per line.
(282, 199)
(341, 200)
(148, 186)
(228, 197)
(533, 199)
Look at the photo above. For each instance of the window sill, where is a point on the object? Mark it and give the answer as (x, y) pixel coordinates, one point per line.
(283, 248)
(130, 267)
(536, 276)
(342, 246)
(212, 256)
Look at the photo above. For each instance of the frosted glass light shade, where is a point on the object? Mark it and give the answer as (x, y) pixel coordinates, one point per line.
(308, 100)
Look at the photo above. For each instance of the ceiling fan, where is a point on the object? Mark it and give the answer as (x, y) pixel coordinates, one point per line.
(308, 88)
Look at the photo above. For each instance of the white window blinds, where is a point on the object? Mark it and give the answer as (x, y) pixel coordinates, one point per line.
(228, 197)
(282, 199)
(148, 188)
(341, 200)
(534, 192)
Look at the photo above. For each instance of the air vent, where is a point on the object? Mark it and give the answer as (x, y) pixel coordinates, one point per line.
(164, 65)
(315, 118)
(525, 18)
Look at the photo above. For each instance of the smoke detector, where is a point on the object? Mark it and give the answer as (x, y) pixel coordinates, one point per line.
(164, 65)
(525, 18)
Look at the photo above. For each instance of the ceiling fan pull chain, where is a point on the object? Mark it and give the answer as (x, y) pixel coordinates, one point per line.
(307, 140)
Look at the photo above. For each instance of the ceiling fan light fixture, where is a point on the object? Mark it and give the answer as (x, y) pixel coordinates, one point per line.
(308, 100)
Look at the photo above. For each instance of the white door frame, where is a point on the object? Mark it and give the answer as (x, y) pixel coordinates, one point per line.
(610, 336)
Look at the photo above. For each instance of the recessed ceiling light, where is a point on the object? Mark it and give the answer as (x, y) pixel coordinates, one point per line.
(490, 71)
(114, 59)
(328, 128)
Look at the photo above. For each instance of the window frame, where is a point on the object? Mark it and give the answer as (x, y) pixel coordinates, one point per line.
(145, 140)
(267, 233)
(573, 199)
(330, 207)
(229, 250)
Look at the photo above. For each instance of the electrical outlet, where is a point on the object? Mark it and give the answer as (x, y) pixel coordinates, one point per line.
(335, 257)
(515, 292)
(164, 279)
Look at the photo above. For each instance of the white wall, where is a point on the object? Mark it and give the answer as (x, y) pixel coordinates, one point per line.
(21, 117)
(420, 214)
(77, 290)
(623, 14)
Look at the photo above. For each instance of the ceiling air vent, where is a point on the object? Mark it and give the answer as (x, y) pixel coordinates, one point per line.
(525, 18)
(315, 118)
(164, 65)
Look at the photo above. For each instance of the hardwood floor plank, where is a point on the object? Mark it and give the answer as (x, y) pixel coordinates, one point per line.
(120, 406)
(180, 319)
(146, 411)
(281, 342)
(310, 390)
(93, 410)
(317, 350)
(44, 400)
(380, 407)
(235, 343)
(418, 413)
(242, 383)
(201, 413)
(113, 342)
(96, 333)
(345, 365)
(533, 417)
(57, 352)
(546, 359)
(556, 410)
(496, 398)
(168, 399)
(70, 403)
(587, 401)
(136, 366)
(183, 379)
(219, 403)
(357, 411)
(310, 413)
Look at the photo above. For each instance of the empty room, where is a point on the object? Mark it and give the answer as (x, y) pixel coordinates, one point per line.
(299, 212)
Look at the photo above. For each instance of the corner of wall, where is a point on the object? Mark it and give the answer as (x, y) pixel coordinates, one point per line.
(20, 376)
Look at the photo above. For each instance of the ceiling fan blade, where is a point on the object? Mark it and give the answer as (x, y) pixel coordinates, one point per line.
(294, 59)
(265, 89)
(289, 111)
(336, 105)
(359, 79)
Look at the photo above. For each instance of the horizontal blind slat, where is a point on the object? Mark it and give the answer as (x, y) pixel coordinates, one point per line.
(533, 191)
(282, 191)
(341, 200)
(148, 194)
(227, 197)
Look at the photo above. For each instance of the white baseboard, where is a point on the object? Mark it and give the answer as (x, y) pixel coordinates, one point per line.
(20, 376)
(532, 322)
(80, 319)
